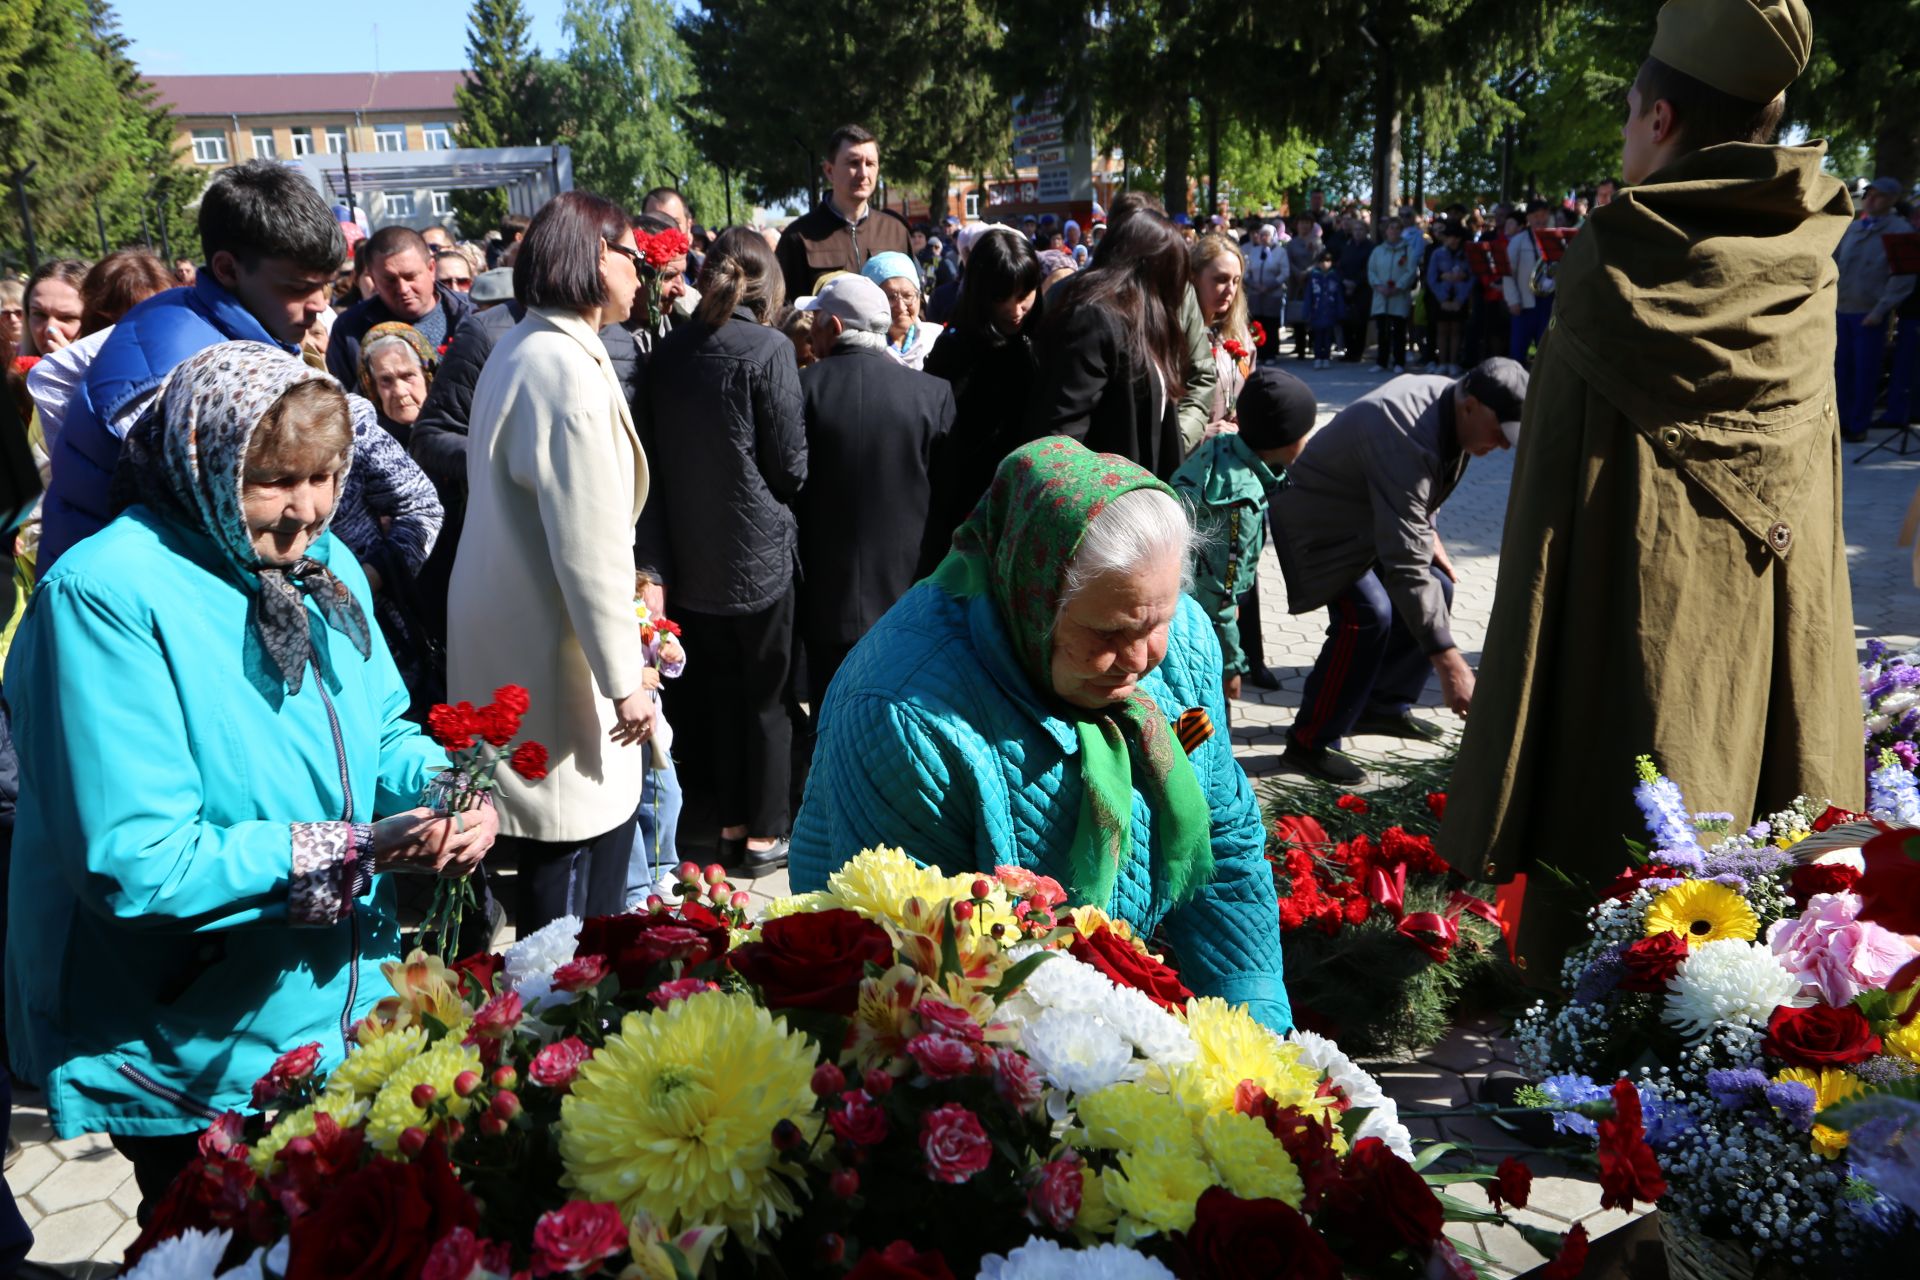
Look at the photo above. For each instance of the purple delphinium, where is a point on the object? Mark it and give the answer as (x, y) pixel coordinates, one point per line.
(1876, 650)
(1794, 1101)
(1665, 810)
(1891, 794)
(1664, 1121)
(1601, 976)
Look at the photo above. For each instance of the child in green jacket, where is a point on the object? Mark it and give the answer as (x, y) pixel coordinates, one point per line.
(1226, 484)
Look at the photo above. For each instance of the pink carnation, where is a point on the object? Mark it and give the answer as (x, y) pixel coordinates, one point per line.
(1833, 952)
(941, 1018)
(679, 989)
(556, 1065)
(954, 1144)
(942, 1057)
(1054, 1200)
(1015, 1080)
(576, 1238)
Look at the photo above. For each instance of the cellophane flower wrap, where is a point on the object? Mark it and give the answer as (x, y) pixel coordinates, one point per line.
(1729, 996)
(909, 1073)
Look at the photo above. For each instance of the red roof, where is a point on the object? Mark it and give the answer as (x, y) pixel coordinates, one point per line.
(308, 94)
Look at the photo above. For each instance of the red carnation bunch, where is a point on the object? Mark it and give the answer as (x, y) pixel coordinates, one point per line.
(663, 247)
(1235, 348)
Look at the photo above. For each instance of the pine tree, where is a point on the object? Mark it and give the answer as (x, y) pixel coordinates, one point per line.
(499, 101)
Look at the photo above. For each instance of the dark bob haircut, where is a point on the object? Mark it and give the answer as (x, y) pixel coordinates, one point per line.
(1001, 265)
(559, 262)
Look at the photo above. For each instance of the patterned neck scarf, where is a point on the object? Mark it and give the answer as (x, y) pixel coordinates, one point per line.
(1016, 547)
(186, 457)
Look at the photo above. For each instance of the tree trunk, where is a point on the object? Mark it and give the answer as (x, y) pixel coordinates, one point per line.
(1386, 138)
(937, 206)
(1173, 189)
(1213, 161)
(1896, 148)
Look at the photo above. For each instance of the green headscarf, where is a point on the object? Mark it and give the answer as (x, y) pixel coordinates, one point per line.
(1016, 547)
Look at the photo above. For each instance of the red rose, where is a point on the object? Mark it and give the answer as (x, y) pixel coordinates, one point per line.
(529, 760)
(900, 1261)
(667, 992)
(1822, 877)
(1628, 882)
(1572, 1258)
(576, 1238)
(287, 1071)
(513, 698)
(1890, 890)
(1054, 1199)
(858, 1121)
(1232, 1238)
(477, 973)
(460, 1253)
(954, 1144)
(453, 727)
(1298, 832)
(1379, 1204)
(1822, 1036)
(1125, 965)
(638, 944)
(310, 1166)
(582, 973)
(1512, 1184)
(1355, 805)
(1628, 1170)
(382, 1221)
(498, 1018)
(555, 1066)
(1437, 805)
(1649, 962)
(813, 961)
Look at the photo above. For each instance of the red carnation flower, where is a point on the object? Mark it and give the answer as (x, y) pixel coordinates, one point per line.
(453, 727)
(1822, 877)
(858, 1121)
(513, 698)
(1437, 805)
(496, 724)
(1298, 832)
(582, 973)
(901, 1261)
(1356, 805)
(287, 1071)
(529, 760)
(1512, 1184)
(1835, 817)
(1628, 1169)
(1572, 1258)
(1628, 882)
(1054, 1198)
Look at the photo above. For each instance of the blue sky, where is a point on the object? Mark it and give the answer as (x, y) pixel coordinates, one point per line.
(233, 37)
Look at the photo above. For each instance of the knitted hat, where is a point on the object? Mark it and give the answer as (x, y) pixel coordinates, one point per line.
(1275, 409)
(1750, 49)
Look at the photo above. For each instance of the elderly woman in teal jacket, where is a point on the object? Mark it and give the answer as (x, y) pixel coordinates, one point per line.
(1020, 707)
(207, 728)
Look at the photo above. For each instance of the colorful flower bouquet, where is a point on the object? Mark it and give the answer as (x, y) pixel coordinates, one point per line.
(1890, 700)
(1733, 990)
(906, 1075)
(1382, 940)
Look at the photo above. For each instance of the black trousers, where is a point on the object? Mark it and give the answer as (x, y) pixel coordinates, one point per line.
(1393, 340)
(588, 878)
(1356, 336)
(156, 1163)
(744, 667)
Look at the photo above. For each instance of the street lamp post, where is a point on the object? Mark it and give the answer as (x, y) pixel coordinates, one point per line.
(19, 180)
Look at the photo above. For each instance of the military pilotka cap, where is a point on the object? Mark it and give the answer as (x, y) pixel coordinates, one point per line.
(1750, 49)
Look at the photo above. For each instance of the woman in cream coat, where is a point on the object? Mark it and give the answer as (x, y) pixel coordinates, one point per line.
(542, 588)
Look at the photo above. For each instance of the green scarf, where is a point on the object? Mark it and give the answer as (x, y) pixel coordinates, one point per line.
(1016, 546)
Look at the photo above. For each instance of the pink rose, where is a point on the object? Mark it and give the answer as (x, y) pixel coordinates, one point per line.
(576, 1238)
(942, 1057)
(1054, 1200)
(288, 1070)
(556, 1065)
(954, 1144)
(858, 1121)
(667, 992)
(582, 973)
(1835, 953)
(1015, 1080)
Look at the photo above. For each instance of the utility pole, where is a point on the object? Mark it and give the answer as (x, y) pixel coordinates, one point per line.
(100, 225)
(726, 181)
(19, 180)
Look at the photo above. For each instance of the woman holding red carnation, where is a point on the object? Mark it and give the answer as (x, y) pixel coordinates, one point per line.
(208, 727)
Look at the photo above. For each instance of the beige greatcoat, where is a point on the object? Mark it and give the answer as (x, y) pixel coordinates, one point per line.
(1673, 575)
(542, 587)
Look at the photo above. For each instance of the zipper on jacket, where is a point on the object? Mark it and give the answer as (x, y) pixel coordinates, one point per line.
(166, 1092)
(353, 913)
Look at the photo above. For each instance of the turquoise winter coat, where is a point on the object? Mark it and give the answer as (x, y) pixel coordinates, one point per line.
(933, 740)
(153, 970)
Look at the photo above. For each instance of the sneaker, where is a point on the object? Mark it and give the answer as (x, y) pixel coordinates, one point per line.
(764, 862)
(1326, 765)
(1403, 725)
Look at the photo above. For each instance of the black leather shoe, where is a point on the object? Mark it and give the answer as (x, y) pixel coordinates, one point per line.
(764, 862)
(1328, 766)
(1262, 678)
(731, 851)
(1397, 726)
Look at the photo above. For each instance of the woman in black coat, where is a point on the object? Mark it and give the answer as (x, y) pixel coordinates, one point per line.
(725, 435)
(1112, 353)
(986, 352)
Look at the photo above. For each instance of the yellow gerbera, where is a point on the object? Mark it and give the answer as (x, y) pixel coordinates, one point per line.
(343, 1107)
(1233, 1047)
(394, 1111)
(1829, 1085)
(1701, 912)
(674, 1116)
(1904, 1040)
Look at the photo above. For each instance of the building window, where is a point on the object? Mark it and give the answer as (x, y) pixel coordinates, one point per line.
(973, 205)
(263, 144)
(209, 146)
(303, 142)
(389, 137)
(442, 204)
(436, 137)
(398, 204)
(336, 140)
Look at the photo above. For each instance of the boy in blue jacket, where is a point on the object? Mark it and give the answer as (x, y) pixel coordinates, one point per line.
(1326, 307)
(1226, 483)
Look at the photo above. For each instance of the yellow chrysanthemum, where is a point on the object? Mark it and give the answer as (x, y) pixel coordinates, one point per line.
(1155, 1191)
(1233, 1047)
(1701, 912)
(1249, 1159)
(376, 1058)
(1130, 1117)
(675, 1115)
(1097, 1217)
(878, 883)
(343, 1107)
(1829, 1085)
(393, 1109)
(797, 904)
(1904, 1041)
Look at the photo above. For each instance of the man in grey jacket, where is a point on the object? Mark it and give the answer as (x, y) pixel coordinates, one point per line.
(1354, 534)
(1869, 294)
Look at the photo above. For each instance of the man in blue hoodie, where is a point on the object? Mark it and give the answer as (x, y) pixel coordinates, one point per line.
(272, 247)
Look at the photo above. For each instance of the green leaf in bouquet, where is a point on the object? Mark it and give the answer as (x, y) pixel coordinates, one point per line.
(1878, 1007)
(1351, 1120)
(1459, 1210)
(949, 945)
(436, 1029)
(1473, 1253)
(1432, 1153)
(1017, 976)
(1453, 1179)
(1545, 1243)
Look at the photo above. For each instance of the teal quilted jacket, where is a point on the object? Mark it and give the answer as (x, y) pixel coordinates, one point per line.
(932, 740)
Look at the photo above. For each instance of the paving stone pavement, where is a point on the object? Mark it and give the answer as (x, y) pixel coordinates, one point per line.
(78, 1194)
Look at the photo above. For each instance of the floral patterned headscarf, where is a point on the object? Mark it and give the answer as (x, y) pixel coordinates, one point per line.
(1015, 548)
(186, 457)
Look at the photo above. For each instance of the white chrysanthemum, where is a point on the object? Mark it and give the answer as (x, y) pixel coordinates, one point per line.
(265, 1264)
(1039, 1259)
(191, 1255)
(1727, 981)
(1359, 1088)
(1158, 1035)
(1065, 983)
(543, 950)
(1077, 1052)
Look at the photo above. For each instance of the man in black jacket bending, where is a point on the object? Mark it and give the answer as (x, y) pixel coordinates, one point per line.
(872, 425)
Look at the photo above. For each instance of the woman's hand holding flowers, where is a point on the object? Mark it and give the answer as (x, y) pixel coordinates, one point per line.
(428, 842)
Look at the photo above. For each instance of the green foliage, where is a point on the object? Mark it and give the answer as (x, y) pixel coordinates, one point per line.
(1859, 88)
(499, 105)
